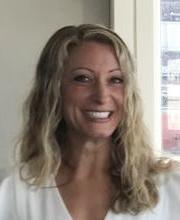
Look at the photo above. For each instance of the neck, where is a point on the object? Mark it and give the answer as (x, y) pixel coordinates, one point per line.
(89, 158)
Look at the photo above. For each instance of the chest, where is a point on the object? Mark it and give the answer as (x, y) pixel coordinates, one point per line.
(86, 201)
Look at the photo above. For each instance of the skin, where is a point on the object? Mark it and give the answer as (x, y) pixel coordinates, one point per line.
(92, 81)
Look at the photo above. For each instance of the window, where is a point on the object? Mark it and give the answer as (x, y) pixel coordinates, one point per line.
(170, 75)
(151, 28)
(134, 20)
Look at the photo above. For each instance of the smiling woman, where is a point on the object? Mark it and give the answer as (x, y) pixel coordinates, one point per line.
(84, 145)
(95, 109)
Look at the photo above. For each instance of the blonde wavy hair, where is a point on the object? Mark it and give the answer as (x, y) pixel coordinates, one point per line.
(133, 164)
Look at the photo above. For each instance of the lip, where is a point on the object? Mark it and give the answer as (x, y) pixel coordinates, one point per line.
(95, 110)
(98, 119)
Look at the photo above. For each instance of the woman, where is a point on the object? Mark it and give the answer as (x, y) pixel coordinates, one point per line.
(84, 153)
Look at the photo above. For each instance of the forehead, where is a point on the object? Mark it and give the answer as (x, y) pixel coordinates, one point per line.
(91, 54)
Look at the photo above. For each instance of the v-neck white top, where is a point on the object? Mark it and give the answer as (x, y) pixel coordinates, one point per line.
(19, 201)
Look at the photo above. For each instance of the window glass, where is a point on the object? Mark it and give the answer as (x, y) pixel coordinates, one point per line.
(170, 75)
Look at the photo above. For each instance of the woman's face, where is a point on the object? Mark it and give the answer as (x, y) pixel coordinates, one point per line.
(92, 91)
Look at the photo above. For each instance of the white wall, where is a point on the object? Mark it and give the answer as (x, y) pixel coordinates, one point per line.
(25, 26)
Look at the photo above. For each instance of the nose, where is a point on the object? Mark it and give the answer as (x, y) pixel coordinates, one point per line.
(100, 93)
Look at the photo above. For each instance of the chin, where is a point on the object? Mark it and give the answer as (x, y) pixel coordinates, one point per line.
(100, 135)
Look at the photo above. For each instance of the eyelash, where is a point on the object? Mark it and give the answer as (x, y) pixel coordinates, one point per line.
(117, 80)
(82, 79)
(87, 79)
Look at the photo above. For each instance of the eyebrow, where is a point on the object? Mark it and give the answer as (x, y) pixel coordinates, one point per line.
(86, 68)
(116, 69)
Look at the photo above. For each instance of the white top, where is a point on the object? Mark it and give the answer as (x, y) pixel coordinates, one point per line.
(18, 201)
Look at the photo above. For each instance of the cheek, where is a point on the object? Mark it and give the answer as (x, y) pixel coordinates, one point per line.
(118, 94)
(74, 95)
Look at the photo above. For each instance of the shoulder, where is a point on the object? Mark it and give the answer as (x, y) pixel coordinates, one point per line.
(13, 197)
(169, 186)
(7, 198)
(8, 185)
(12, 184)
(170, 178)
(19, 199)
(19, 187)
(172, 183)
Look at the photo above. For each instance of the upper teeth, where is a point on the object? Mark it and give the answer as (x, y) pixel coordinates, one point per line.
(98, 114)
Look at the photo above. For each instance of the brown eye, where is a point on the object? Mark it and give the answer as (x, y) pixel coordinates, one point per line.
(82, 79)
(117, 80)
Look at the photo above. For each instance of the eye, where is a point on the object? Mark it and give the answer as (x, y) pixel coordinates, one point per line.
(82, 79)
(117, 80)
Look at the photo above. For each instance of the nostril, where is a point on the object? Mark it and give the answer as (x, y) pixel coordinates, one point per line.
(101, 97)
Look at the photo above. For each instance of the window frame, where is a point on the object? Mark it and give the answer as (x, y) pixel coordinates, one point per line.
(138, 23)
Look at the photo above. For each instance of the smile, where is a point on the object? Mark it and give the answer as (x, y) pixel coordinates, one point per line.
(98, 114)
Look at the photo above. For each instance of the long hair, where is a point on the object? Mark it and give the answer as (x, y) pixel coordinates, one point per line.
(133, 164)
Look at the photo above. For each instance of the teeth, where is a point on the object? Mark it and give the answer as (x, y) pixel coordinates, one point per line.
(100, 115)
